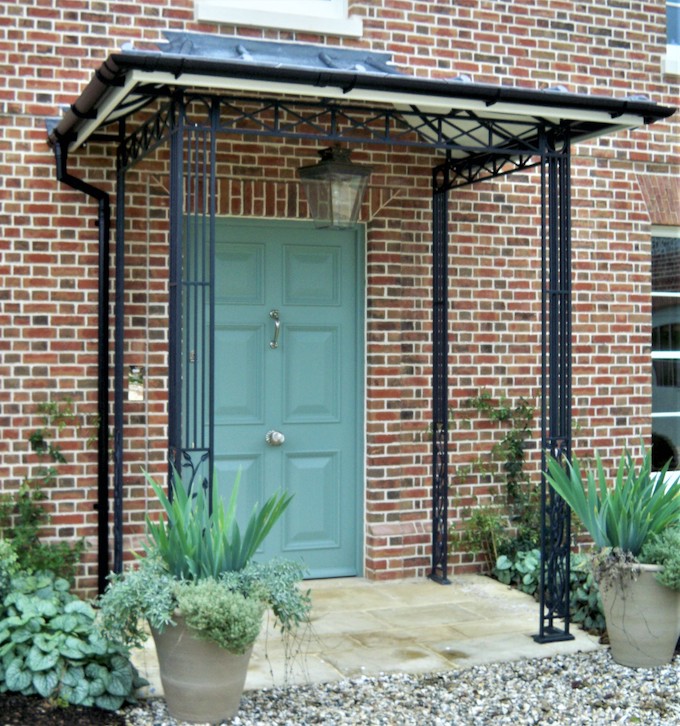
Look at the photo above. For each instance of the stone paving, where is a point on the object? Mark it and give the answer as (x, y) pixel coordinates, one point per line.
(361, 627)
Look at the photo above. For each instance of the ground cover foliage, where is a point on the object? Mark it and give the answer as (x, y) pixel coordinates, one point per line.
(52, 653)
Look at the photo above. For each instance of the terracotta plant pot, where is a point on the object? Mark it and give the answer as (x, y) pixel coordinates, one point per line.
(201, 681)
(643, 619)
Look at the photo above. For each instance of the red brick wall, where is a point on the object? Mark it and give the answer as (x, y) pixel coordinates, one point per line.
(48, 246)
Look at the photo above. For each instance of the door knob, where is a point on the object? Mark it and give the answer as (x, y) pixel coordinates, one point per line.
(274, 438)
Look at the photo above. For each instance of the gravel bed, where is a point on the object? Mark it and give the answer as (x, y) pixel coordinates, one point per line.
(587, 688)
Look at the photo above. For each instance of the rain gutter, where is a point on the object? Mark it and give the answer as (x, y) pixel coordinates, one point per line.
(118, 71)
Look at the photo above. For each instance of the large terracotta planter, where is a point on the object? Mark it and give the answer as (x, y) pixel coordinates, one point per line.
(201, 681)
(643, 619)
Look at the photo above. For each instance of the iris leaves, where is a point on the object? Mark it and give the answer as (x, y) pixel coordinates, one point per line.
(198, 540)
(623, 513)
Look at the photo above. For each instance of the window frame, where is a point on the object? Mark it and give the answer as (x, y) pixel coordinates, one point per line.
(661, 233)
(670, 63)
(322, 16)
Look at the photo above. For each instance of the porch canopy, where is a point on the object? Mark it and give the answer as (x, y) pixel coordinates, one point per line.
(290, 90)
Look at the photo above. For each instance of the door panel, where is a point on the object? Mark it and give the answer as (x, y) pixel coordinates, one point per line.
(313, 478)
(312, 276)
(310, 369)
(306, 387)
(239, 397)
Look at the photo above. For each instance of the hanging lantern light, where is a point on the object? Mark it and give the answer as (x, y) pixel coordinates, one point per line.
(334, 188)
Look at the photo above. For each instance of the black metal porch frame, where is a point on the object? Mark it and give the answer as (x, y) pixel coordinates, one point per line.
(477, 149)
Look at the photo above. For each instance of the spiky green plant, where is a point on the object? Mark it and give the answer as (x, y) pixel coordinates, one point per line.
(197, 540)
(624, 513)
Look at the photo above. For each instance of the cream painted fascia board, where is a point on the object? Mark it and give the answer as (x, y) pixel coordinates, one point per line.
(215, 12)
(432, 104)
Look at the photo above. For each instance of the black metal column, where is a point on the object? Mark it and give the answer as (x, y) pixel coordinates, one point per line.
(177, 116)
(440, 385)
(556, 380)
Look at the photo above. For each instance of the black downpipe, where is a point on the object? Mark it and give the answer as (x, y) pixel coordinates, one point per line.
(104, 225)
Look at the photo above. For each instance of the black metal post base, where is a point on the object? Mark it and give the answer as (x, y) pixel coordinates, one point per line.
(552, 635)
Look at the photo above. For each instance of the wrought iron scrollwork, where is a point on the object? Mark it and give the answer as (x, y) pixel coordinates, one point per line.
(440, 496)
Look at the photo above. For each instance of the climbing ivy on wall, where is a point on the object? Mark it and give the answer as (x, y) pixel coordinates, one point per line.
(511, 522)
(22, 513)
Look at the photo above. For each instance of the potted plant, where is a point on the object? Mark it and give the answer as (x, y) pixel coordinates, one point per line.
(635, 523)
(204, 598)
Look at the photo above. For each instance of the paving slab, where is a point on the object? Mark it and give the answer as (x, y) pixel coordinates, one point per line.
(361, 627)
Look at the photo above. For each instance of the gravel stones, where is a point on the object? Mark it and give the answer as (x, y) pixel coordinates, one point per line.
(587, 688)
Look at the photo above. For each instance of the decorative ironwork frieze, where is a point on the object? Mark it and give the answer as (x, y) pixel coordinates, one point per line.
(148, 136)
(479, 146)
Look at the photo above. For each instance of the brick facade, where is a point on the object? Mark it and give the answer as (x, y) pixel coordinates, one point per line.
(48, 242)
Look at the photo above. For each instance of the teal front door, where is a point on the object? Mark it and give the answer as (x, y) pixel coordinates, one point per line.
(288, 371)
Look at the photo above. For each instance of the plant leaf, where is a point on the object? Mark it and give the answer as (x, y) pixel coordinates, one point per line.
(17, 676)
(45, 683)
(37, 660)
(109, 702)
(120, 682)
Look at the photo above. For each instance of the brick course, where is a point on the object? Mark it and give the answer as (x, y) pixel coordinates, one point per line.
(621, 185)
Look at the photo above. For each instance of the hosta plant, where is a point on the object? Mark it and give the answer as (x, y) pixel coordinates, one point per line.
(49, 645)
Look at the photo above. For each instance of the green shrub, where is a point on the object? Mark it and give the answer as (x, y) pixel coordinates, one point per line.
(49, 645)
(511, 523)
(216, 613)
(664, 549)
(21, 518)
(485, 531)
(523, 571)
(150, 593)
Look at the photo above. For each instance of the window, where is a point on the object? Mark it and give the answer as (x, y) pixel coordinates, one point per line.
(666, 347)
(323, 16)
(671, 62)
